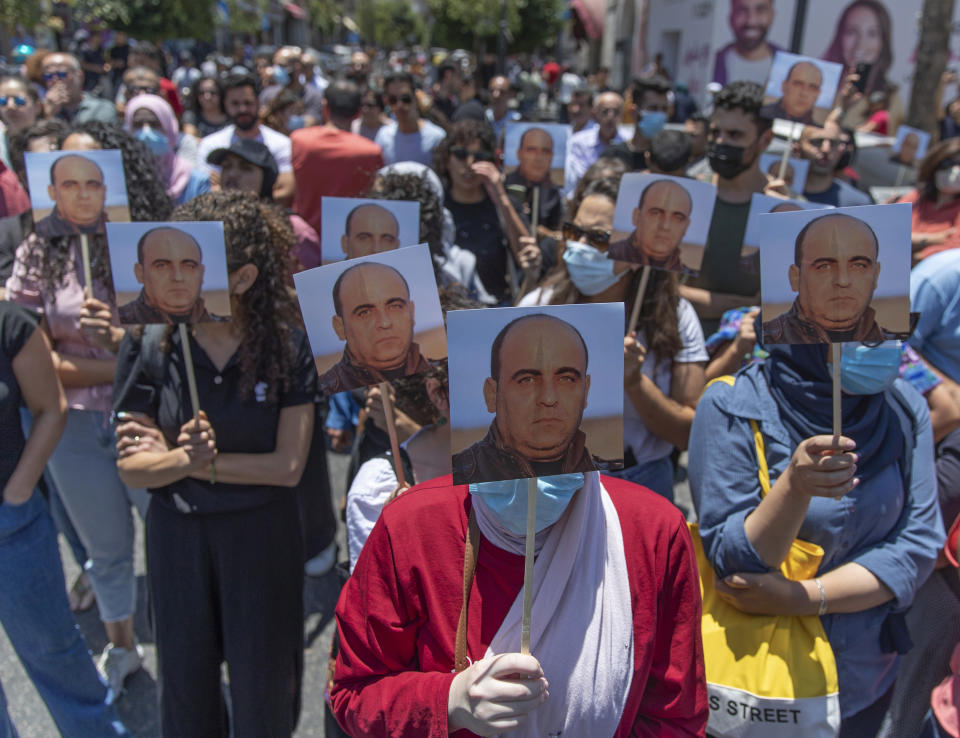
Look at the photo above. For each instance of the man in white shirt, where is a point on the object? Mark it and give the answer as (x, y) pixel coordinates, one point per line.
(240, 104)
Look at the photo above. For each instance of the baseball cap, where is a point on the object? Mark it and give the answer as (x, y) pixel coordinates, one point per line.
(254, 152)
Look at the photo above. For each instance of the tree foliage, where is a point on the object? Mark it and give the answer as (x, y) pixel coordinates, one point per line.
(462, 23)
(26, 13)
(389, 23)
(157, 20)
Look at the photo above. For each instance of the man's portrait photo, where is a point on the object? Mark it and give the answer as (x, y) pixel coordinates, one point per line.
(535, 154)
(662, 222)
(535, 391)
(835, 276)
(795, 174)
(761, 205)
(169, 273)
(800, 89)
(910, 146)
(76, 192)
(749, 55)
(373, 318)
(354, 227)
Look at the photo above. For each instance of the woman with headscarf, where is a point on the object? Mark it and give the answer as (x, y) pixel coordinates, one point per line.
(150, 119)
(868, 499)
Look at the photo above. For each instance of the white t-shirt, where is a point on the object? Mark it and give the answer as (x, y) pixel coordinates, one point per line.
(278, 144)
(739, 68)
(368, 493)
(636, 436)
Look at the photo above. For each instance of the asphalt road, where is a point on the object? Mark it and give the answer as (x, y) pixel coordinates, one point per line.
(138, 706)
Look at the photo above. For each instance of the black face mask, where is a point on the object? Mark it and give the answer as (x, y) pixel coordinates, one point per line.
(726, 160)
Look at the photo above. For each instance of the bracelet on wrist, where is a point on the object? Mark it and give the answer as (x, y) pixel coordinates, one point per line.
(823, 597)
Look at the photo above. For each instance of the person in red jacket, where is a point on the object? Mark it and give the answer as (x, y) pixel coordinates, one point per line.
(630, 665)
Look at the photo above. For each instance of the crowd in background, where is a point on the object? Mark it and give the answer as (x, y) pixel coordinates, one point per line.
(258, 140)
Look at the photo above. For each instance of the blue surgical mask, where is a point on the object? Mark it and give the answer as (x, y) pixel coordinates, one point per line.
(589, 268)
(651, 122)
(869, 371)
(281, 76)
(296, 122)
(154, 140)
(507, 500)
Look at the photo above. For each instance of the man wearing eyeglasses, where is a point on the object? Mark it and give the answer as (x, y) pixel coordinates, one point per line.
(824, 148)
(835, 273)
(412, 138)
(78, 193)
(65, 97)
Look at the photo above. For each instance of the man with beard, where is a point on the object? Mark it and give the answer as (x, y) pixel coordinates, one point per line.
(534, 159)
(800, 90)
(538, 388)
(823, 148)
(736, 138)
(240, 104)
(374, 317)
(749, 56)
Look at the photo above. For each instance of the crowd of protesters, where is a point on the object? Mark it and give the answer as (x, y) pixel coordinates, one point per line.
(97, 426)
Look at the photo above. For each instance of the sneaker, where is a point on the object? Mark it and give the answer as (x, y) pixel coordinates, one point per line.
(322, 562)
(115, 665)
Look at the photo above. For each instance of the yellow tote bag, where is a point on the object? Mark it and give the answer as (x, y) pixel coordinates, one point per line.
(768, 676)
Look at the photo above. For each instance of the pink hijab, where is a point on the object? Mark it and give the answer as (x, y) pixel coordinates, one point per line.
(174, 170)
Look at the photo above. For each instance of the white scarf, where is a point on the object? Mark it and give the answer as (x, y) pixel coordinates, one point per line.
(581, 595)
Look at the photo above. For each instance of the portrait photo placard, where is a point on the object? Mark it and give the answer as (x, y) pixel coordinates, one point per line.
(167, 273)
(662, 222)
(834, 276)
(76, 191)
(535, 391)
(353, 226)
(372, 318)
(800, 89)
(910, 146)
(760, 205)
(535, 152)
(795, 174)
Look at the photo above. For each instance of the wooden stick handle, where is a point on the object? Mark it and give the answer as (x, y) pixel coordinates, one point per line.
(85, 258)
(188, 362)
(786, 152)
(528, 566)
(641, 291)
(392, 432)
(837, 407)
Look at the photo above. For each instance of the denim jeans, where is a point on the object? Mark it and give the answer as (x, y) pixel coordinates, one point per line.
(36, 617)
(84, 470)
(656, 475)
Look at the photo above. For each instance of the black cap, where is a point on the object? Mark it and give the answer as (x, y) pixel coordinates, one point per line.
(254, 152)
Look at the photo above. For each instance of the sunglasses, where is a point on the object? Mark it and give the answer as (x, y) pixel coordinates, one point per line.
(47, 76)
(394, 99)
(463, 153)
(143, 91)
(17, 101)
(835, 143)
(595, 237)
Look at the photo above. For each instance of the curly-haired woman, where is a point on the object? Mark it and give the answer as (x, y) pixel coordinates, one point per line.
(486, 222)
(223, 545)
